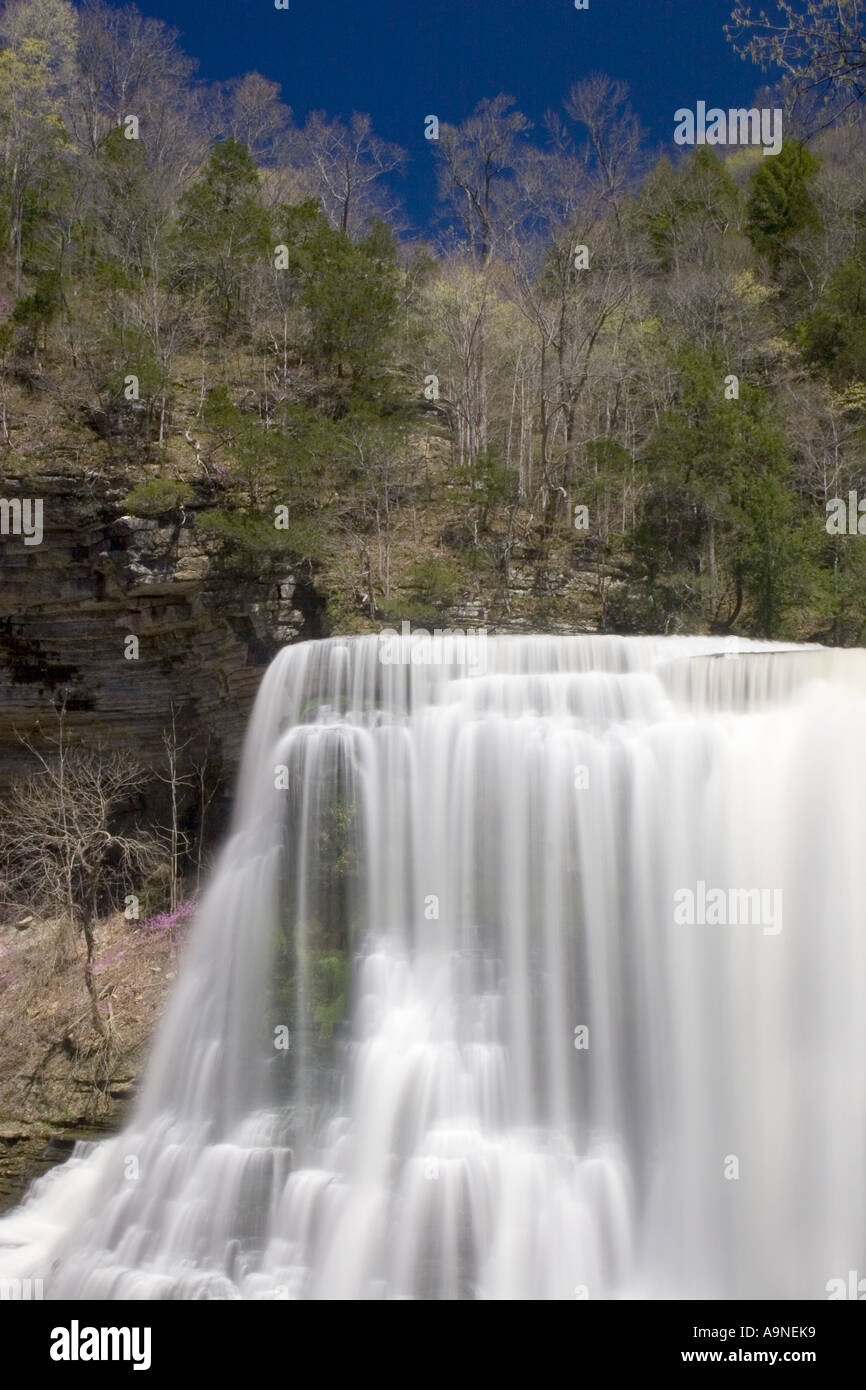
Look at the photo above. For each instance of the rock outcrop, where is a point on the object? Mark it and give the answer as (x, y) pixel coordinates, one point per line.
(100, 576)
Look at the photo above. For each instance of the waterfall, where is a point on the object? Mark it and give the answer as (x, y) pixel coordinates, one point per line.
(533, 968)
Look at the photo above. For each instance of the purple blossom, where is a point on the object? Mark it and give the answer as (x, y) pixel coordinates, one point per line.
(115, 954)
(168, 921)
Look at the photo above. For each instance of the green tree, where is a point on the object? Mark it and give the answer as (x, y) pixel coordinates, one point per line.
(223, 235)
(833, 336)
(780, 202)
(349, 294)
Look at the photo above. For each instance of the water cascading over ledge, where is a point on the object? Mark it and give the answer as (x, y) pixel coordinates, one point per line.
(455, 1020)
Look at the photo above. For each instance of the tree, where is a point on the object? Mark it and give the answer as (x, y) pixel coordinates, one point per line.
(780, 203)
(249, 110)
(348, 164)
(833, 335)
(613, 133)
(223, 234)
(477, 162)
(69, 840)
(820, 44)
(459, 306)
(375, 475)
(132, 66)
(37, 69)
(772, 557)
(687, 211)
(349, 293)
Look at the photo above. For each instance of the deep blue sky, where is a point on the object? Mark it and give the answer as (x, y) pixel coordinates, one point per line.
(403, 59)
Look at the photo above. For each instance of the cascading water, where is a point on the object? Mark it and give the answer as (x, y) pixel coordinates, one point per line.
(444, 1028)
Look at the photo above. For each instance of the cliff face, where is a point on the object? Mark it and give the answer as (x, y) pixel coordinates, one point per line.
(98, 577)
(206, 626)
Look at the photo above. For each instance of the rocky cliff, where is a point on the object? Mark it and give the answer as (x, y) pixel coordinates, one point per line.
(100, 576)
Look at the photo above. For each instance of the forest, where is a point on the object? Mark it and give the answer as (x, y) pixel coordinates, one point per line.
(644, 367)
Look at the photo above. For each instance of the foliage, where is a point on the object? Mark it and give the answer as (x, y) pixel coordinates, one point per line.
(157, 497)
(403, 428)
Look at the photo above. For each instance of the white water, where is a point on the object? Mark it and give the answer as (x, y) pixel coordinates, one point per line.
(449, 1140)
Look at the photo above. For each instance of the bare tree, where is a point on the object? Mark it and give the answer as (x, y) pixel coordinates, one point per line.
(249, 109)
(177, 781)
(614, 136)
(206, 780)
(819, 44)
(348, 164)
(460, 318)
(612, 150)
(380, 459)
(478, 159)
(133, 66)
(65, 846)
